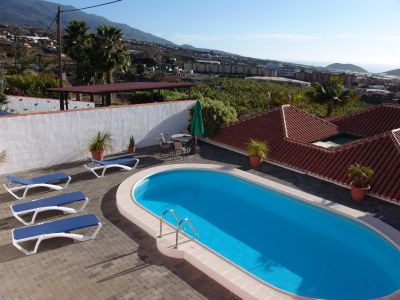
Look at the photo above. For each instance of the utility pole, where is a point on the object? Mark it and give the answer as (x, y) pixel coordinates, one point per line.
(59, 57)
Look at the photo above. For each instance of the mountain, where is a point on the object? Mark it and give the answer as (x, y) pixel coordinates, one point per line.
(395, 72)
(37, 13)
(346, 68)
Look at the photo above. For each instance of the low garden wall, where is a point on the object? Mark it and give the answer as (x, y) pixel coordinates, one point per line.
(46, 139)
(25, 105)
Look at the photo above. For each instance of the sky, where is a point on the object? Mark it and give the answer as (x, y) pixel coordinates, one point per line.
(317, 32)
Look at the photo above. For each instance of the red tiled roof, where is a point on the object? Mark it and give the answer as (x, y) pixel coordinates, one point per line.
(121, 87)
(370, 121)
(293, 117)
(380, 151)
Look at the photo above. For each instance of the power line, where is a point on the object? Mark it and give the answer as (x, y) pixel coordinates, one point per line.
(75, 9)
(51, 24)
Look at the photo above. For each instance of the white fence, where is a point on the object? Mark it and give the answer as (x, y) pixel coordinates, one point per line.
(26, 105)
(47, 139)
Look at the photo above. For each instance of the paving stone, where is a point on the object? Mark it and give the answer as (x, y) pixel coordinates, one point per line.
(123, 262)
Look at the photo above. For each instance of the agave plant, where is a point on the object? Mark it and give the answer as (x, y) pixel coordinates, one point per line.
(257, 148)
(100, 142)
(131, 141)
(360, 175)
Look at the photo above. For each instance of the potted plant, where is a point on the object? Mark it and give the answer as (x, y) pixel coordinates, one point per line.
(257, 151)
(99, 143)
(131, 145)
(361, 177)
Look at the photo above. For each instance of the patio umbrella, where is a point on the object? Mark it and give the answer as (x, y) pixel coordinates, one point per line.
(197, 127)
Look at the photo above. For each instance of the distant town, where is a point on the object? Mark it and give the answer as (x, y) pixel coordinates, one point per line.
(34, 48)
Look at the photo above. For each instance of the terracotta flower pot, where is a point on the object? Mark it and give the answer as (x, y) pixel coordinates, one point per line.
(132, 149)
(99, 154)
(255, 161)
(358, 194)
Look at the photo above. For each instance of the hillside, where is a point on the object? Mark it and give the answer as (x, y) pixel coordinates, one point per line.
(346, 68)
(395, 72)
(37, 13)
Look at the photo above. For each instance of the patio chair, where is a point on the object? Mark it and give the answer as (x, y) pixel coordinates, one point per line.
(166, 138)
(178, 148)
(117, 162)
(190, 147)
(54, 229)
(165, 142)
(47, 204)
(47, 181)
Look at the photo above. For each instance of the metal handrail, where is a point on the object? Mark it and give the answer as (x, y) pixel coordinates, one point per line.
(162, 218)
(185, 220)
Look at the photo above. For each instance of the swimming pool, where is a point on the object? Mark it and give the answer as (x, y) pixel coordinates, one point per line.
(292, 245)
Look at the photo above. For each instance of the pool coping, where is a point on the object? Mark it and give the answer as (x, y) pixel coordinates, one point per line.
(225, 272)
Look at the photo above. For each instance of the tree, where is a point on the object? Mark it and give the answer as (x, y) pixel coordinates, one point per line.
(109, 51)
(331, 94)
(216, 114)
(42, 64)
(77, 44)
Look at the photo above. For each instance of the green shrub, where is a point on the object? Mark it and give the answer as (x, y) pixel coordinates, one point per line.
(173, 95)
(3, 101)
(31, 84)
(215, 115)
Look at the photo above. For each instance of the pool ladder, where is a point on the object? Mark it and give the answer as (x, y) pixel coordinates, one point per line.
(181, 223)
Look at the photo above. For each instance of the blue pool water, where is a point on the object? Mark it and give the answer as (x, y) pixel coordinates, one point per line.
(292, 245)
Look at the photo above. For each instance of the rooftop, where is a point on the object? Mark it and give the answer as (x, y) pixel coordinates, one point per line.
(123, 260)
(290, 131)
(121, 87)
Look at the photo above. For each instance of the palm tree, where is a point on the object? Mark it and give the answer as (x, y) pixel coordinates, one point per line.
(77, 44)
(109, 53)
(331, 93)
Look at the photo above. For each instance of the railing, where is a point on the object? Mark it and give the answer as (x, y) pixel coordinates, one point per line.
(162, 218)
(185, 220)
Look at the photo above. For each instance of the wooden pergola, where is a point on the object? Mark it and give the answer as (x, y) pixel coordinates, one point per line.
(106, 89)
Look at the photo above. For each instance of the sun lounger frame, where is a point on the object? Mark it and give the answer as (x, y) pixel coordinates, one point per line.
(94, 166)
(26, 188)
(36, 211)
(42, 237)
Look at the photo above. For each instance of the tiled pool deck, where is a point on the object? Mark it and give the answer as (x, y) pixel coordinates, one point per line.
(123, 262)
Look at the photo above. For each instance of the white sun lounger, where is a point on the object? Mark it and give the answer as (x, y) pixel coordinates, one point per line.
(55, 229)
(47, 181)
(118, 162)
(47, 204)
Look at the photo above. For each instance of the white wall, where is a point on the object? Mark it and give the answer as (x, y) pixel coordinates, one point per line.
(42, 140)
(26, 105)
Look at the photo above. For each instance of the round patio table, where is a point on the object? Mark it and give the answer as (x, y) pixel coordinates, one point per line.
(181, 137)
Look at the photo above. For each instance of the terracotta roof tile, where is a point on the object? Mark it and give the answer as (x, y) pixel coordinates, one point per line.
(289, 132)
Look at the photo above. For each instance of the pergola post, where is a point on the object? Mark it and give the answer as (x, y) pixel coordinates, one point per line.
(61, 101)
(66, 100)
